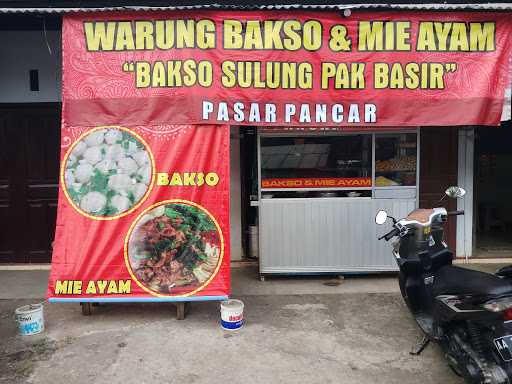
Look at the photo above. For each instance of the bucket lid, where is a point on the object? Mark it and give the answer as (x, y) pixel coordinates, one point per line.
(30, 308)
(232, 304)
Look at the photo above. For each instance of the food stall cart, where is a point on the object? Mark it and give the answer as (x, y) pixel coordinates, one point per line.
(319, 192)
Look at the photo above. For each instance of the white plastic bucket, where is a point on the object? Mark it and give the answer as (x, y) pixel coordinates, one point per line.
(232, 314)
(30, 319)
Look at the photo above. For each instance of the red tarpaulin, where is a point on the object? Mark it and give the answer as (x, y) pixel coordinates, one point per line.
(282, 68)
(143, 213)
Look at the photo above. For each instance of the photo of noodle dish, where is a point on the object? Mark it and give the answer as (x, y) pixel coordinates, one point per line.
(174, 248)
(107, 172)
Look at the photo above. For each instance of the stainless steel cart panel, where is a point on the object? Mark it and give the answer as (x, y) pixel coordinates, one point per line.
(326, 234)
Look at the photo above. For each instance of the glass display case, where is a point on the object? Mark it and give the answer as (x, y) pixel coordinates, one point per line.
(316, 162)
(378, 165)
(318, 195)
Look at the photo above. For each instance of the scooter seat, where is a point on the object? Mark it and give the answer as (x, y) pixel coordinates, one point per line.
(451, 280)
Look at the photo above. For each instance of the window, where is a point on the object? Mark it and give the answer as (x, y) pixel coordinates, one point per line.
(395, 159)
(343, 162)
(369, 165)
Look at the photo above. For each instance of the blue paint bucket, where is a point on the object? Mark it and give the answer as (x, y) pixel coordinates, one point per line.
(30, 319)
(231, 314)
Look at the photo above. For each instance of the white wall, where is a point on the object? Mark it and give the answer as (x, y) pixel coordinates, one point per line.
(21, 51)
(465, 180)
(236, 198)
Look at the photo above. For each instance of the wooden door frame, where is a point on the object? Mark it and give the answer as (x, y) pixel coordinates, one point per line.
(19, 212)
(425, 179)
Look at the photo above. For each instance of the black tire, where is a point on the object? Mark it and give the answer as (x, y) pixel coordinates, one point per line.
(86, 309)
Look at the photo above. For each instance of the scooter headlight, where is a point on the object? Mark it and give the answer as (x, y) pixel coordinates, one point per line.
(499, 305)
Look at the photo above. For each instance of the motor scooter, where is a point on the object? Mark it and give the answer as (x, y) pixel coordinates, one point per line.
(467, 312)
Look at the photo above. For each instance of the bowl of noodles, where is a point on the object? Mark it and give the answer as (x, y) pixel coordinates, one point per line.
(174, 248)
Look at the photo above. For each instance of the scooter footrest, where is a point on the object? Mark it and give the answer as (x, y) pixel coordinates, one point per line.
(427, 325)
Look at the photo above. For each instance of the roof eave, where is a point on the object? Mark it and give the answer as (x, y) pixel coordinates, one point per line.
(320, 7)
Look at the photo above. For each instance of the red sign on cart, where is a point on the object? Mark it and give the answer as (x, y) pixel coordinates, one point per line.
(317, 182)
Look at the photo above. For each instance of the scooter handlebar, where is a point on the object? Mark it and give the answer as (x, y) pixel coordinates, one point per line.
(390, 234)
(455, 213)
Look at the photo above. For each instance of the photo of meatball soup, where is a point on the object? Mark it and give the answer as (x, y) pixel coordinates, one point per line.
(107, 172)
(174, 248)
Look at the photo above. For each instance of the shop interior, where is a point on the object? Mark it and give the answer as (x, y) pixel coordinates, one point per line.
(493, 191)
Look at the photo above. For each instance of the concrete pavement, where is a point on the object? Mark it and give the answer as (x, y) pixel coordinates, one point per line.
(297, 331)
(244, 281)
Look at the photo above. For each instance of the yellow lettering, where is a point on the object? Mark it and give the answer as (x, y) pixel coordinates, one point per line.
(176, 179)
(253, 39)
(189, 67)
(61, 287)
(162, 179)
(272, 34)
(459, 38)
(292, 42)
(112, 287)
(312, 35)
(102, 284)
(396, 77)
(77, 287)
(233, 34)
(228, 74)
(188, 179)
(402, 36)
(144, 35)
(205, 34)
(212, 179)
(371, 36)
(200, 179)
(412, 79)
(426, 40)
(91, 288)
(99, 35)
(482, 37)
(381, 78)
(185, 34)
(164, 31)
(158, 75)
(442, 34)
(143, 75)
(124, 286)
(124, 36)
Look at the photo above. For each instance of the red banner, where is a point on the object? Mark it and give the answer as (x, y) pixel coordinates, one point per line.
(148, 98)
(285, 68)
(123, 232)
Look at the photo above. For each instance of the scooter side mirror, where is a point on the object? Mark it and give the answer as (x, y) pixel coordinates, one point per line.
(381, 217)
(455, 192)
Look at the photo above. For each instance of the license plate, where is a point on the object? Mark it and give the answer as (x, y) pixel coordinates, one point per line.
(504, 347)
